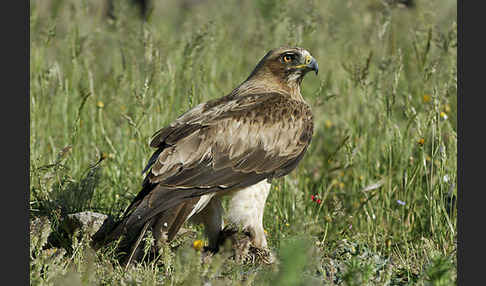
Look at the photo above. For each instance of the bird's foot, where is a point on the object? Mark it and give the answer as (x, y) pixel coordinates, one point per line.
(243, 249)
(262, 255)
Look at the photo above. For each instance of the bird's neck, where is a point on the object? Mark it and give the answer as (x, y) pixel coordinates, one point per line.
(263, 85)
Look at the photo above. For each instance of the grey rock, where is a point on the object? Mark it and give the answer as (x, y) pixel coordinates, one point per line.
(85, 222)
(40, 229)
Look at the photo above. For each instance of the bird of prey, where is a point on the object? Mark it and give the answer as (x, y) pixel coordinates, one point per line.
(230, 146)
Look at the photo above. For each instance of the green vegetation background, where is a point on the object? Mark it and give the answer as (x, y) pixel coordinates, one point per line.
(382, 160)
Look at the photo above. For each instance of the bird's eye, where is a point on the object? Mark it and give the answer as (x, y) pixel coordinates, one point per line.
(287, 58)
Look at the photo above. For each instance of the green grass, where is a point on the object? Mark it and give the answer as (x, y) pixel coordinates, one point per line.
(100, 88)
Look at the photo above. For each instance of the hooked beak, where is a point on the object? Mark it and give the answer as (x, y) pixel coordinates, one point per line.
(313, 66)
(309, 65)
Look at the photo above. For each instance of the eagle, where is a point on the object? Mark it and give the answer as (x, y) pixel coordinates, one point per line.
(230, 146)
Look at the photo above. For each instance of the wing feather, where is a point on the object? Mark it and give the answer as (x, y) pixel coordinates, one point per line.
(240, 138)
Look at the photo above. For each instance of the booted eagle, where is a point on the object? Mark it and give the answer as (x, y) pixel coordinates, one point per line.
(230, 146)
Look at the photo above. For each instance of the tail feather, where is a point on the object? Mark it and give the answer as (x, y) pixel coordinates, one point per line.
(172, 210)
(137, 243)
(181, 217)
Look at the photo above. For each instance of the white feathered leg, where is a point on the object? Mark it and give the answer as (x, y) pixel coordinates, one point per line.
(245, 209)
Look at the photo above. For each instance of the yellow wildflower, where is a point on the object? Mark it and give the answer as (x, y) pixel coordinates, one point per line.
(328, 123)
(443, 115)
(427, 98)
(100, 104)
(197, 244)
(421, 141)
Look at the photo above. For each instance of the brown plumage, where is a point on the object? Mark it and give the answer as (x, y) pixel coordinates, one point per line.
(259, 131)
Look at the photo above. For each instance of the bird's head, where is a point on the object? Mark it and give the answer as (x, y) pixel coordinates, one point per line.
(285, 67)
(287, 63)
